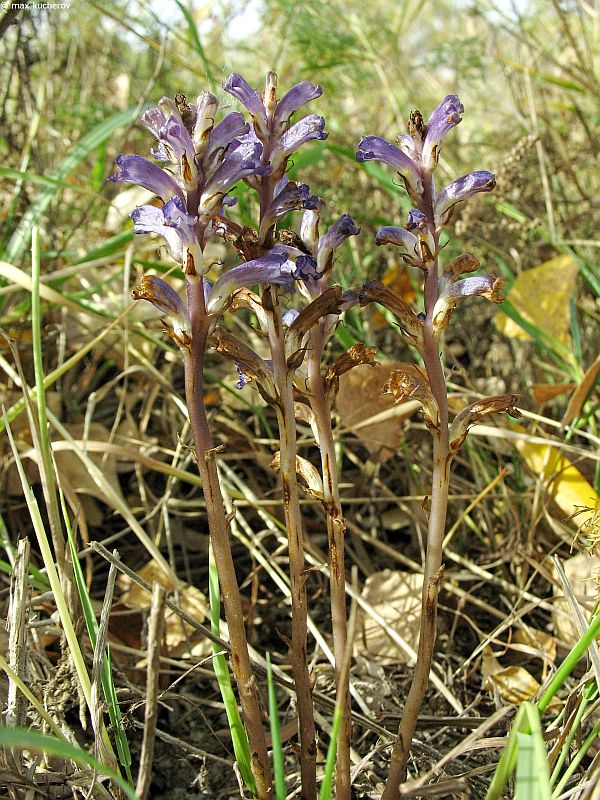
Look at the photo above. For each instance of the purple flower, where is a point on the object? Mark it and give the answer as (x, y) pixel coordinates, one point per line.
(177, 143)
(239, 162)
(308, 128)
(459, 190)
(416, 220)
(306, 269)
(290, 316)
(374, 148)
(487, 286)
(445, 117)
(243, 378)
(135, 169)
(289, 196)
(377, 149)
(172, 222)
(205, 111)
(223, 135)
(272, 268)
(250, 98)
(309, 227)
(298, 96)
(406, 241)
(335, 236)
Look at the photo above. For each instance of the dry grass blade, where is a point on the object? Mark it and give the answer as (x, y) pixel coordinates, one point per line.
(577, 611)
(17, 634)
(155, 629)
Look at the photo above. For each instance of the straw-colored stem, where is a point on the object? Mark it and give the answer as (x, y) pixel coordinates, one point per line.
(336, 529)
(286, 419)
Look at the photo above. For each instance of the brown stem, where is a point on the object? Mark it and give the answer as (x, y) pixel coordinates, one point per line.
(433, 571)
(293, 519)
(219, 535)
(432, 579)
(335, 536)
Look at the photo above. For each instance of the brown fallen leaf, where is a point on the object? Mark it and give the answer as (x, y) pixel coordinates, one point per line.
(540, 642)
(542, 392)
(396, 597)
(580, 394)
(190, 599)
(68, 463)
(374, 417)
(513, 684)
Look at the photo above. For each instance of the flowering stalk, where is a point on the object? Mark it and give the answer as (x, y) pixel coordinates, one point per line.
(291, 336)
(279, 138)
(320, 392)
(286, 420)
(210, 158)
(415, 160)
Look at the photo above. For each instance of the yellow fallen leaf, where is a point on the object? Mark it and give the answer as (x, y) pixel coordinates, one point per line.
(514, 684)
(398, 279)
(540, 642)
(541, 295)
(566, 486)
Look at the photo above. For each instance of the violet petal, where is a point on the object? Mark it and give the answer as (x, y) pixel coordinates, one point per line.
(263, 270)
(138, 170)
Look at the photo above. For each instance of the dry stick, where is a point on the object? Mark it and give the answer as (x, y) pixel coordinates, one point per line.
(433, 571)
(286, 419)
(194, 358)
(335, 536)
(155, 631)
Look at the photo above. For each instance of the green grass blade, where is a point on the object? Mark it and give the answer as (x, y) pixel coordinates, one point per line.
(32, 740)
(528, 712)
(59, 598)
(193, 31)
(532, 780)
(239, 737)
(328, 776)
(278, 768)
(108, 684)
(590, 739)
(508, 759)
(570, 662)
(81, 150)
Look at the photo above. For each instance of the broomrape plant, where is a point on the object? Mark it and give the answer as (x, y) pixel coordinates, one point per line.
(415, 160)
(202, 160)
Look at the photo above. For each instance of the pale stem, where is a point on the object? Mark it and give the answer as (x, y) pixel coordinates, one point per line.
(284, 379)
(335, 536)
(219, 535)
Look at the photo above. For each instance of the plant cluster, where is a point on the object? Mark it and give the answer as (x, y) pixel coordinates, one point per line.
(296, 311)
